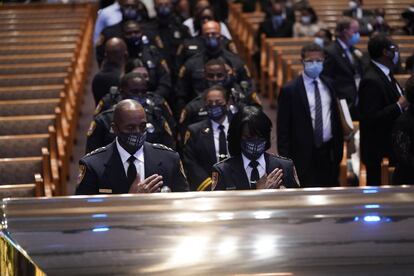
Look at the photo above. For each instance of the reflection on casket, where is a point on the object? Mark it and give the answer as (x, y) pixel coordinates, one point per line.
(292, 232)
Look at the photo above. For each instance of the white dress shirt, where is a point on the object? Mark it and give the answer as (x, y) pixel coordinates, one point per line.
(190, 24)
(216, 134)
(326, 101)
(139, 161)
(261, 167)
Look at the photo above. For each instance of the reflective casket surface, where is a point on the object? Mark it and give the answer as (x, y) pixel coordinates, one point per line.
(289, 232)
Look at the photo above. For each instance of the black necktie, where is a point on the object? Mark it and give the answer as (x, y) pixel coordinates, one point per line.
(318, 131)
(222, 144)
(254, 176)
(132, 170)
(395, 84)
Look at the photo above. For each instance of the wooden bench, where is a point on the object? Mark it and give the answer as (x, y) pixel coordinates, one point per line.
(36, 189)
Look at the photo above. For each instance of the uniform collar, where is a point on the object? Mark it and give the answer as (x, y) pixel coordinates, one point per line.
(139, 155)
(261, 160)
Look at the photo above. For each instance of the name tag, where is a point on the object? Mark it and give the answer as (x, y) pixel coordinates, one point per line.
(192, 47)
(105, 191)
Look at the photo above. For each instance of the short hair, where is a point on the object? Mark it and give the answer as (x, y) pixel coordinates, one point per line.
(409, 90)
(343, 24)
(127, 77)
(215, 61)
(214, 88)
(132, 64)
(377, 44)
(257, 122)
(311, 47)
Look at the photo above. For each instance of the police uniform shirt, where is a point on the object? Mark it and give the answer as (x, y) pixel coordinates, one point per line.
(326, 101)
(261, 168)
(139, 160)
(216, 134)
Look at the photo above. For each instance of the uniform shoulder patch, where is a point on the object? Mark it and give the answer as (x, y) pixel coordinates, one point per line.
(165, 66)
(187, 136)
(98, 108)
(167, 106)
(214, 180)
(181, 73)
(295, 175)
(182, 169)
(81, 174)
(247, 71)
(167, 128)
(232, 48)
(162, 147)
(91, 128)
(179, 49)
(159, 42)
(255, 98)
(183, 116)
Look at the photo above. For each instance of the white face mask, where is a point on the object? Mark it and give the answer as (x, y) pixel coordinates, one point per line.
(380, 19)
(305, 20)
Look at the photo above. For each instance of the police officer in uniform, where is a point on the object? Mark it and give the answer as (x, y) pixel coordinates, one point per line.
(133, 10)
(167, 31)
(192, 46)
(139, 46)
(129, 164)
(190, 78)
(205, 142)
(114, 96)
(216, 74)
(249, 165)
(133, 86)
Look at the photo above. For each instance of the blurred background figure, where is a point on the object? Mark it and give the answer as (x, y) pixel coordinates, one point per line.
(308, 25)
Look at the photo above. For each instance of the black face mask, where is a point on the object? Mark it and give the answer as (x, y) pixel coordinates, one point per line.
(134, 42)
(216, 112)
(133, 14)
(132, 142)
(226, 83)
(253, 148)
(163, 12)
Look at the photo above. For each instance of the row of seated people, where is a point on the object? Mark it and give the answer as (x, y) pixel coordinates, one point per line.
(280, 22)
(248, 137)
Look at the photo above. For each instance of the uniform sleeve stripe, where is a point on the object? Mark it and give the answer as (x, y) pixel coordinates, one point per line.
(204, 184)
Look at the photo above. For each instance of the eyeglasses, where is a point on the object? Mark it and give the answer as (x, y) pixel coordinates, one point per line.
(310, 61)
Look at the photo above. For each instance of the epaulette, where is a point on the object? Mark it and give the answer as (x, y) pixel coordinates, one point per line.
(162, 147)
(98, 150)
(281, 157)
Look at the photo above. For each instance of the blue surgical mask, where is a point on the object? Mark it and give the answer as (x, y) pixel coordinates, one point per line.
(253, 148)
(216, 112)
(163, 11)
(277, 20)
(212, 43)
(306, 19)
(355, 38)
(319, 41)
(313, 69)
(129, 14)
(396, 58)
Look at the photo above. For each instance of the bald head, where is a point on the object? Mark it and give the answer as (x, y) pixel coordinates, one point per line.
(116, 50)
(211, 28)
(129, 117)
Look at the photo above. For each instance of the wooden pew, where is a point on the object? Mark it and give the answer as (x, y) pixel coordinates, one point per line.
(36, 189)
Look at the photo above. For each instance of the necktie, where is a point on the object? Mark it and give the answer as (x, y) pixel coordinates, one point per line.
(254, 176)
(395, 84)
(222, 144)
(132, 170)
(318, 131)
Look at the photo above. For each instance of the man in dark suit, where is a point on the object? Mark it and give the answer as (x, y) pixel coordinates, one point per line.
(129, 164)
(381, 103)
(308, 124)
(276, 24)
(205, 142)
(249, 165)
(344, 63)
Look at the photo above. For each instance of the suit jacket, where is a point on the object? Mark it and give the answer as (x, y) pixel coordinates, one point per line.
(379, 110)
(229, 174)
(199, 154)
(294, 125)
(267, 28)
(101, 171)
(338, 68)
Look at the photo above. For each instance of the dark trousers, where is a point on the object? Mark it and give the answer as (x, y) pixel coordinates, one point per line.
(373, 173)
(323, 171)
